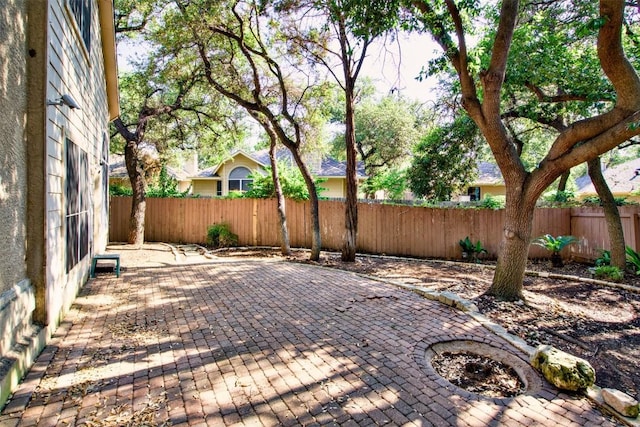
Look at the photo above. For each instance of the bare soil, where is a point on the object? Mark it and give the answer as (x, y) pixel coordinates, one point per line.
(597, 322)
(478, 374)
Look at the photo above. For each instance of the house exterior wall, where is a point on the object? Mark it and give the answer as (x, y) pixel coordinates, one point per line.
(13, 149)
(73, 70)
(224, 170)
(493, 190)
(204, 187)
(42, 60)
(17, 294)
(333, 187)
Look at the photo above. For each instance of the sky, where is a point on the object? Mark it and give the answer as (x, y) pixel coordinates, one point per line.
(391, 67)
(397, 65)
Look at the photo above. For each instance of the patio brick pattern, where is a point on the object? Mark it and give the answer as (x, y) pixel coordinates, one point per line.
(262, 343)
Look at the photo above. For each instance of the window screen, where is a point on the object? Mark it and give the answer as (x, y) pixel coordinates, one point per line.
(76, 204)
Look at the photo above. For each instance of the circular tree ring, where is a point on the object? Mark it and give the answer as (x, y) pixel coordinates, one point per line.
(480, 368)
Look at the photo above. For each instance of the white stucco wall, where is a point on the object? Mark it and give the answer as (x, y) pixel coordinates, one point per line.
(13, 147)
(17, 297)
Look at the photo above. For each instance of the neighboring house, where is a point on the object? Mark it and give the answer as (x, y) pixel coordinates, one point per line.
(118, 174)
(488, 182)
(56, 55)
(234, 174)
(623, 181)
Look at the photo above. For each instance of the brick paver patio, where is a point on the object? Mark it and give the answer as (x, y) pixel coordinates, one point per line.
(262, 343)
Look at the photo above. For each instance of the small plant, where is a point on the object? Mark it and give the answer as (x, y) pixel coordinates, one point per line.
(555, 245)
(220, 236)
(633, 259)
(492, 202)
(119, 190)
(471, 250)
(609, 272)
(604, 259)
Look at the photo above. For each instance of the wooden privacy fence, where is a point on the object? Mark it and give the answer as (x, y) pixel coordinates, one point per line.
(382, 229)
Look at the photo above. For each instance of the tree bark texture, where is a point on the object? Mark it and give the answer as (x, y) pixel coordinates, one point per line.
(316, 240)
(285, 245)
(562, 183)
(136, 178)
(351, 204)
(611, 214)
(513, 252)
(580, 142)
(138, 200)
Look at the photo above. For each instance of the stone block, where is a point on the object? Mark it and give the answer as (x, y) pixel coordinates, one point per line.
(621, 402)
(563, 370)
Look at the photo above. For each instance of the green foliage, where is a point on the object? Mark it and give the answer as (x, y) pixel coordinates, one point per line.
(386, 132)
(564, 196)
(554, 244)
(166, 186)
(472, 249)
(444, 160)
(604, 258)
(609, 272)
(633, 259)
(492, 202)
(220, 236)
(235, 194)
(393, 182)
(558, 199)
(595, 200)
(119, 190)
(291, 181)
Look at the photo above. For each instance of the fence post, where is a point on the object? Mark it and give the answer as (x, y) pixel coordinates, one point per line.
(254, 228)
(634, 220)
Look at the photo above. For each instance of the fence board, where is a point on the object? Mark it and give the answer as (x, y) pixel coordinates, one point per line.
(393, 230)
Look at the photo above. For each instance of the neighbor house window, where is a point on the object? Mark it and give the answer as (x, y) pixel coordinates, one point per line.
(218, 188)
(239, 179)
(81, 11)
(76, 204)
(474, 193)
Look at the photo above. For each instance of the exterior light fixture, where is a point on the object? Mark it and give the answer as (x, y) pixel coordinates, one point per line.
(65, 99)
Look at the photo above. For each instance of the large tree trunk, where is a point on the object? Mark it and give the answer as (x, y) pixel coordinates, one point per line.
(285, 246)
(138, 203)
(514, 250)
(351, 204)
(316, 242)
(611, 214)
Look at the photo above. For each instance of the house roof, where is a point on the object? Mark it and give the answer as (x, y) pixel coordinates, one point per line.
(326, 168)
(488, 174)
(118, 169)
(622, 179)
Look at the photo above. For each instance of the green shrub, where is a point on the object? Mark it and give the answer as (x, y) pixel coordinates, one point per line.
(119, 190)
(166, 186)
(595, 200)
(633, 259)
(609, 272)
(554, 245)
(291, 181)
(473, 250)
(604, 259)
(220, 236)
(491, 202)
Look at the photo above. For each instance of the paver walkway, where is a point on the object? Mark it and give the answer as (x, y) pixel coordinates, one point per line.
(262, 343)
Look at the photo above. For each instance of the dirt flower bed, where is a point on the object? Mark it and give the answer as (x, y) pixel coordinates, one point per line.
(596, 322)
